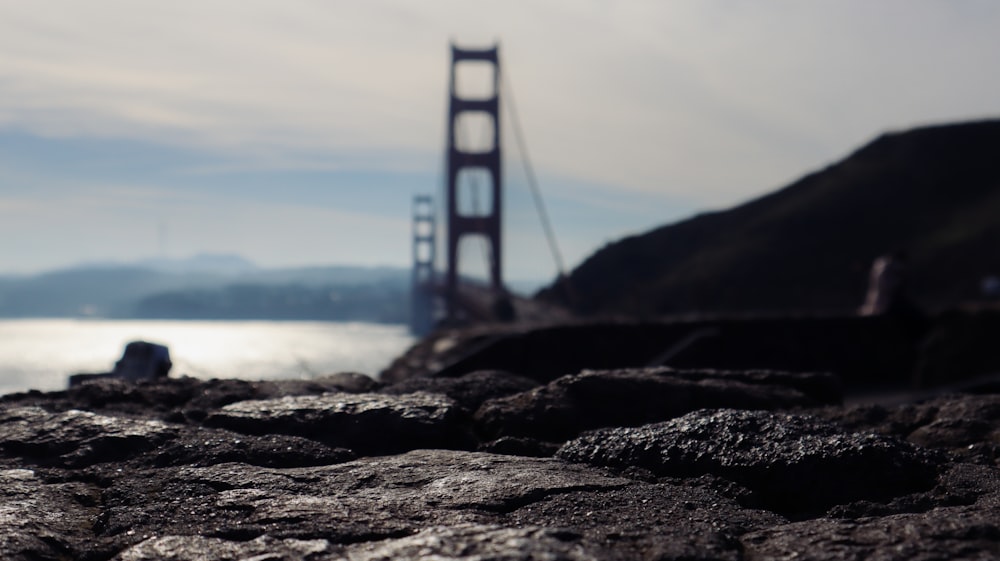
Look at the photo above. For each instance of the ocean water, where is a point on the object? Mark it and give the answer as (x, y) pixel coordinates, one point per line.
(42, 353)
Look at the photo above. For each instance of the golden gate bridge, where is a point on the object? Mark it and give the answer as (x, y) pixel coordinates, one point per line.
(473, 208)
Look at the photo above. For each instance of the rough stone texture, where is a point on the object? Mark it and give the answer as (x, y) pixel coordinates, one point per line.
(642, 521)
(206, 447)
(77, 438)
(958, 485)
(184, 398)
(515, 446)
(469, 390)
(197, 548)
(367, 423)
(941, 533)
(465, 541)
(39, 521)
(569, 405)
(478, 542)
(795, 463)
(81, 438)
(129, 481)
(967, 426)
(367, 499)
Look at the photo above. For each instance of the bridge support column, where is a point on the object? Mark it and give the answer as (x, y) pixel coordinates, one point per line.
(478, 222)
(423, 310)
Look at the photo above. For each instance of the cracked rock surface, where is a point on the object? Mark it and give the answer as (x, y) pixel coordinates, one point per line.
(793, 462)
(343, 468)
(572, 404)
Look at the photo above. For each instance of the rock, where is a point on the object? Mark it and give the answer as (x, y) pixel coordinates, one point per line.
(206, 447)
(958, 485)
(475, 542)
(515, 446)
(76, 439)
(464, 541)
(661, 521)
(183, 398)
(438, 493)
(569, 405)
(468, 391)
(967, 426)
(821, 387)
(228, 469)
(367, 423)
(197, 548)
(350, 382)
(42, 521)
(942, 533)
(367, 499)
(795, 463)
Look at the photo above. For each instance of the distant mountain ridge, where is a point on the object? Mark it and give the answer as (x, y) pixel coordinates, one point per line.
(210, 287)
(220, 263)
(933, 192)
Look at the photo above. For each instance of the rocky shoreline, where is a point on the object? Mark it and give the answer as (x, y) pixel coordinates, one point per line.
(625, 463)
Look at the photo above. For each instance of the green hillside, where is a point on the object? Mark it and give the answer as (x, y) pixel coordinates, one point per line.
(933, 192)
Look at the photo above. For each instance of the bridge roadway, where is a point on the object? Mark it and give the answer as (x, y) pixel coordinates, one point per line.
(478, 303)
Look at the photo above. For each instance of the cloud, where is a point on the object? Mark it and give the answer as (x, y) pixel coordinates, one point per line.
(125, 221)
(660, 107)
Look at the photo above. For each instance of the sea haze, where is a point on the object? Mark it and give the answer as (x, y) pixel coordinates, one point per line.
(225, 287)
(41, 353)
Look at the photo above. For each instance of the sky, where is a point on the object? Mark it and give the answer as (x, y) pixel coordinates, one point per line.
(297, 132)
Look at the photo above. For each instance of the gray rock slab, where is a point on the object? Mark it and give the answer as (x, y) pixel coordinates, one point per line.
(474, 542)
(368, 423)
(971, 533)
(650, 521)
(366, 499)
(468, 391)
(76, 439)
(794, 462)
(182, 398)
(967, 426)
(199, 446)
(607, 523)
(41, 521)
(471, 542)
(959, 484)
(572, 404)
(198, 548)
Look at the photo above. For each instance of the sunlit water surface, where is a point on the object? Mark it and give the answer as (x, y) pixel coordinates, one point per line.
(41, 353)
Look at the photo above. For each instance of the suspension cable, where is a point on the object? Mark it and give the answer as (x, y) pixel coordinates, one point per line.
(522, 149)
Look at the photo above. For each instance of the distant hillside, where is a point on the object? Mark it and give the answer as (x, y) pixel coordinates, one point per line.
(933, 192)
(210, 288)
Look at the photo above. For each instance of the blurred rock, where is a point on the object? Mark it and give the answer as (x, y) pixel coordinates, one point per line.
(943, 533)
(44, 521)
(967, 426)
(795, 463)
(75, 439)
(569, 405)
(367, 423)
(470, 390)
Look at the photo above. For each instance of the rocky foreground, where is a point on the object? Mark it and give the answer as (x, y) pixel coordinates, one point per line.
(648, 463)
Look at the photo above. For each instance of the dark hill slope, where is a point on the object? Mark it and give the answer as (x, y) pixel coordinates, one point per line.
(933, 192)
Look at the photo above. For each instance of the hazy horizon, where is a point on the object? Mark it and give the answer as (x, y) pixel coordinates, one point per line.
(297, 133)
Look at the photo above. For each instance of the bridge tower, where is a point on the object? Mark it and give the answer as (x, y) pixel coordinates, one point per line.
(479, 222)
(423, 310)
